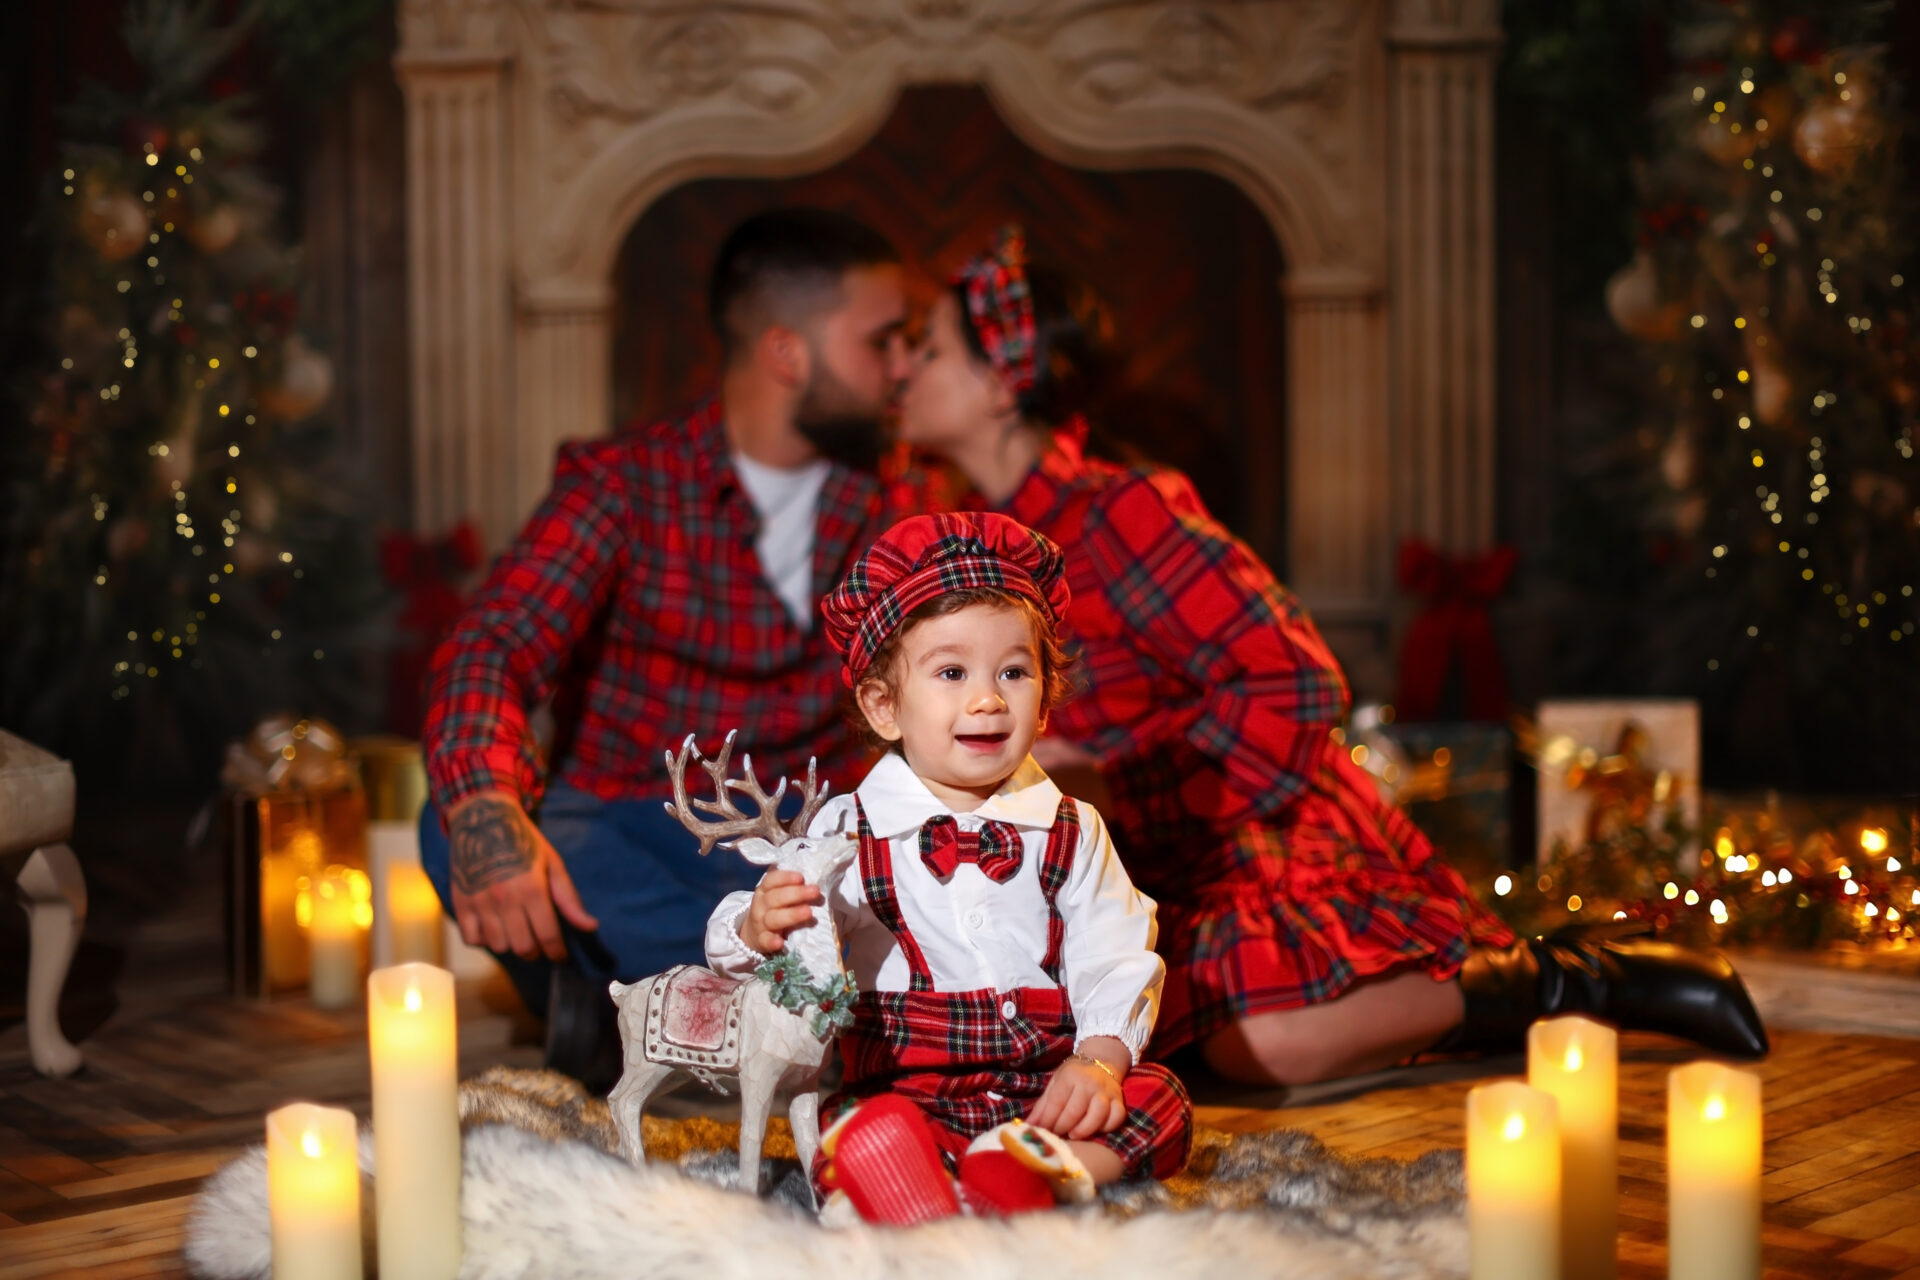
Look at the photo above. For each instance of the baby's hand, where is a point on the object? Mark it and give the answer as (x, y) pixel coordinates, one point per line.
(1082, 1101)
(782, 902)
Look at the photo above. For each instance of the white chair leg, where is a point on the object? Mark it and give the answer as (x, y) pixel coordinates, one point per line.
(54, 895)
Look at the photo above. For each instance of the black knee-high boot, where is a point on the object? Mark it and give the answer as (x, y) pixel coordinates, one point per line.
(1618, 974)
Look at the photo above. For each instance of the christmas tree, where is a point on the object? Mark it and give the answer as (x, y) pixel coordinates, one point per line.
(1773, 289)
(178, 561)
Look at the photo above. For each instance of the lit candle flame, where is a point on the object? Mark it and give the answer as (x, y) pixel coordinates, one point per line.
(1716, 1108)
(1515, 1127)
(1573, 1057)
(310, 1144)
(413, 998)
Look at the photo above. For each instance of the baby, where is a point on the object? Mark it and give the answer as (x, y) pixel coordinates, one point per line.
(1007, 977)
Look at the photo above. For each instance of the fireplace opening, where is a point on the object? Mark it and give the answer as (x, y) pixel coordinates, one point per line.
(1187, 263)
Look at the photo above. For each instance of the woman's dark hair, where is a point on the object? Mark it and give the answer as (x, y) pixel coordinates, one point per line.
(1075, 360)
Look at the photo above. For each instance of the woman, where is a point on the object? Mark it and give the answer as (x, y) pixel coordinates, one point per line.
(1310, 931)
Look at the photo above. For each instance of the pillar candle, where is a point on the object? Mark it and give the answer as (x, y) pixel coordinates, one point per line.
(413, 915)
(1513, 1183)
(416, 1121)
(1713, 1173)
(1576, 1060)
(334, 934)
(313, 1193)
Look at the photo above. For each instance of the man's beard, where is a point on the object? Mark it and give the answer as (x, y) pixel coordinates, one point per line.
(836, 424)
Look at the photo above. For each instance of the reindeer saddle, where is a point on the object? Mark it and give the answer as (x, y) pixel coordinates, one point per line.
(693, 1019)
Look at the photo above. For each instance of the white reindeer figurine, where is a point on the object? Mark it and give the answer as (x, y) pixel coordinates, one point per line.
(769, 1033)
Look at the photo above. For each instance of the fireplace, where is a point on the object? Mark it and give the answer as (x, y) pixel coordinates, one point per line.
(541, 131)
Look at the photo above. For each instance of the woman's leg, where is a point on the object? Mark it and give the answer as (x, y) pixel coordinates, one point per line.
(1371, 1026)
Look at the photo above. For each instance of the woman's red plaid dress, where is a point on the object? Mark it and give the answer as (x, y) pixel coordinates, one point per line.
(1283, 877)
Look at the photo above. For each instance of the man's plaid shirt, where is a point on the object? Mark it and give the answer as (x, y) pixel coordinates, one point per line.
(635, 598)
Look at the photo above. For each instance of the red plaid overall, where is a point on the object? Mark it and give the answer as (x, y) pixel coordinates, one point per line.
(975, 1059)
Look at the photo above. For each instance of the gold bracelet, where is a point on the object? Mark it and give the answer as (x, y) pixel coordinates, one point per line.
(1089, 1058)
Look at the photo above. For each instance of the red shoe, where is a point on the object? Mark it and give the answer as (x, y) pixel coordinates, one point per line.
(994, 1185)
(884, 1157)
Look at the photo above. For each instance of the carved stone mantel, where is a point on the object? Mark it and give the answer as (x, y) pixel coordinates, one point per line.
(539, 130)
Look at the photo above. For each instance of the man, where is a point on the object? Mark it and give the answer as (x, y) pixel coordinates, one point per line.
(665, 586)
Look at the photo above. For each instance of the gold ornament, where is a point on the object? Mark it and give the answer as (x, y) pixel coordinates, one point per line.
(262, 508)
(1690, 515)
(114, 223)
(126, 538)
(1678, 461)
(175, 466)
(214, 230)
(252, 553)
(1633, 300)
(306, 380)
(1771, 388)
(1830, 134)
(1776, 105)
(1718, 139)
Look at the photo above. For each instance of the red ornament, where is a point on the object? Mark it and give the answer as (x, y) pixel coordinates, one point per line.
(1797, 41)
(142, 135)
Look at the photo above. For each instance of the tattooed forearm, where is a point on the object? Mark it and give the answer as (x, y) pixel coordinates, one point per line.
(492, 840)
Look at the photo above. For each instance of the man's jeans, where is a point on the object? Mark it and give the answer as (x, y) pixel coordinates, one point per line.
(639, 873)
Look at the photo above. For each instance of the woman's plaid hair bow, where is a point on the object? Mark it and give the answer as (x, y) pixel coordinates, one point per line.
(1000, 306)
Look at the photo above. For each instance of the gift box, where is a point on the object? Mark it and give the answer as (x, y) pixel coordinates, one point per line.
(296, 816)
(1454, 781)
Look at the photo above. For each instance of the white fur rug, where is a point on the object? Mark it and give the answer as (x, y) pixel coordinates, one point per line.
(543, 1207)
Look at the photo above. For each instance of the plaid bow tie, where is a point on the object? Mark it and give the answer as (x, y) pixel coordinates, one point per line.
(995, 848)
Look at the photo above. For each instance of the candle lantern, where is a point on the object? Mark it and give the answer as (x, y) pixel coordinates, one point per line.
(1576, 1061)
(313, 1193)
(1513, 1183)
(1713, 1173)
(295, 808)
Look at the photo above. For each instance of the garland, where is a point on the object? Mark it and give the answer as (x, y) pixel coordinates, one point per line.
(793, 987)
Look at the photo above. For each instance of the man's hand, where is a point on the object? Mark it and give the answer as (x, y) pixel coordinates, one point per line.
(507, 880)
(1083, 1100)
(782, 902)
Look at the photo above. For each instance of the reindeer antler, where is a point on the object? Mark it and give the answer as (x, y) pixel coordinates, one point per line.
(765, 824)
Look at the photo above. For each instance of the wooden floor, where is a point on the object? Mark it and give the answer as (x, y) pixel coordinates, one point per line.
(97, 1173)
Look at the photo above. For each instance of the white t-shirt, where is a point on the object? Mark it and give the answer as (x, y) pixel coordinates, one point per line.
(975, 934)
(787, 502)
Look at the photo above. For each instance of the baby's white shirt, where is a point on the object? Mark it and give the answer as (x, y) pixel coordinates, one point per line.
(975, 934)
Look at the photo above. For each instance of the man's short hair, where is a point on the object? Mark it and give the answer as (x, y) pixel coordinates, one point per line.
(780, 266)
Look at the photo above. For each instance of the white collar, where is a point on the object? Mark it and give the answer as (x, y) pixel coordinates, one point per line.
(896, 801)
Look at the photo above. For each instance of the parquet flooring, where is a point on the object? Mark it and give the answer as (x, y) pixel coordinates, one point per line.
(97, 1173)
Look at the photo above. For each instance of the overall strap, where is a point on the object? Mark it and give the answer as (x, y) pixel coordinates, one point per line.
(876, 881)
(1063, 842)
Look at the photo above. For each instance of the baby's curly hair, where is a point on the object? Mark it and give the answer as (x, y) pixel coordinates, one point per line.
(1057, 666)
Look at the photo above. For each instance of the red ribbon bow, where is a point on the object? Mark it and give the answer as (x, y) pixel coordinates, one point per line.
(428, 572)
(1454, 626)
(995, 848)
